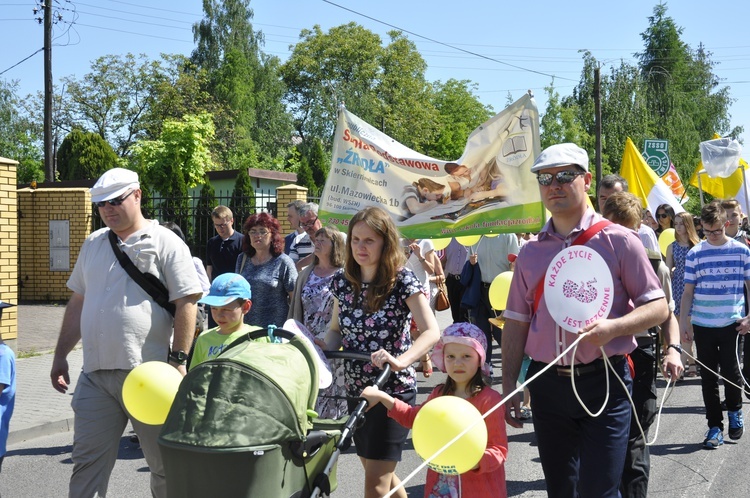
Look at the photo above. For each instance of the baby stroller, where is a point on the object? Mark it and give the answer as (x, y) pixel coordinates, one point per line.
(242, 424)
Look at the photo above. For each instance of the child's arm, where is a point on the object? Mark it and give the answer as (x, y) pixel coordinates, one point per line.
(373, 395)
(497, 439)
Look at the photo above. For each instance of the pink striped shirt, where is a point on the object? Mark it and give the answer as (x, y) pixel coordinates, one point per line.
(635, 283)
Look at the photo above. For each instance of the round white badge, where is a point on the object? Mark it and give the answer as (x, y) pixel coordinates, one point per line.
(578, 288)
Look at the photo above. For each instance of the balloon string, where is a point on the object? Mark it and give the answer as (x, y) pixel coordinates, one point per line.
(484, 416)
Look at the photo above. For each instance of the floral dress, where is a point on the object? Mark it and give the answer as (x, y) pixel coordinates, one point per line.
(317, 306)
(678, 277)
(386, 328)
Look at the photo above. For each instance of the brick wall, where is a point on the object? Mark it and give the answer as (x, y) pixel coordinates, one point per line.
(36, 208)
(285, 195)
(8, 250)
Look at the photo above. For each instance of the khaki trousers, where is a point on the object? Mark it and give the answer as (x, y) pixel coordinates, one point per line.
(100, 420)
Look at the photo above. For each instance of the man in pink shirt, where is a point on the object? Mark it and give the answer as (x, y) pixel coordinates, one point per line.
(581, 455)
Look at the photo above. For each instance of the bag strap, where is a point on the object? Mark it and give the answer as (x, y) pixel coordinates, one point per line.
(153, 287)
(581, 240)
(242, 265)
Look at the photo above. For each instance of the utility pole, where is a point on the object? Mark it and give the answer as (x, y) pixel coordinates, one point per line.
(49, 165)
(598, 127)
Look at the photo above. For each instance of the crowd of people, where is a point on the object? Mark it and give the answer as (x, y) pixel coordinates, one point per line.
(370, 291)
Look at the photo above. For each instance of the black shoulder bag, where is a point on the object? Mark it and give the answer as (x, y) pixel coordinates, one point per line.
(150, 283)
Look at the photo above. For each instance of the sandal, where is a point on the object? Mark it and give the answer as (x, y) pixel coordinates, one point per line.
(692, 371)
(426, 366)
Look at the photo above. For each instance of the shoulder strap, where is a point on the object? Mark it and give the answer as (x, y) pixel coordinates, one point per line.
(153, 286)
(581, 240)
(244, 258)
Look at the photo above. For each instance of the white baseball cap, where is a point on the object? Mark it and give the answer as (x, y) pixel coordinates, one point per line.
(114, 183)
(561, 155)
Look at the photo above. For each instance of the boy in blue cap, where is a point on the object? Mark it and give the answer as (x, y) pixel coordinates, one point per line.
(229, 299)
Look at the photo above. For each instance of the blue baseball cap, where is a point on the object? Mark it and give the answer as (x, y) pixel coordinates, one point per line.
(227, 288)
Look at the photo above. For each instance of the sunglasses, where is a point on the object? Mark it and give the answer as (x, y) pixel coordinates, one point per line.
(562, 177)
(114, 202)
(309, 224)
(662, 215)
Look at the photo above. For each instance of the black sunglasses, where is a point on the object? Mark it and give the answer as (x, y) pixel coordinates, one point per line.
(114, 202)
(662, 215)
(562, 177)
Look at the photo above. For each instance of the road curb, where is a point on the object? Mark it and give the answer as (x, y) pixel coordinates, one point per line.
(46, 429)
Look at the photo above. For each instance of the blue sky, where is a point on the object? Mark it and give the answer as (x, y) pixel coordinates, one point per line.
(542, 38)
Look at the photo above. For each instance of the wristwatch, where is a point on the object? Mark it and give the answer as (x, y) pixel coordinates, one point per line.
(676, 347)
(180, 357)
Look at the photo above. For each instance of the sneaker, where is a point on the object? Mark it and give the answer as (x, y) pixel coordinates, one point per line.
(714, 438)
(736, 424)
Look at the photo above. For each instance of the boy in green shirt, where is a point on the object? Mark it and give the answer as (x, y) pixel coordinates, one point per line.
(229, 299)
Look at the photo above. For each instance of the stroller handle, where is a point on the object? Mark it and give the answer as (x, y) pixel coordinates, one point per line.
(353, 355)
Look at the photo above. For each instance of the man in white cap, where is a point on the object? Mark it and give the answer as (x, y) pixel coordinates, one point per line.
(121, 326)
(581, 455)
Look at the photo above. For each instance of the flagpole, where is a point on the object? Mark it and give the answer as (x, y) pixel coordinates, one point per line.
(700, 185)
(744, 185)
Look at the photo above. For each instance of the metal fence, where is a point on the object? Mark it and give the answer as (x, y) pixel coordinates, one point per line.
(193, 214)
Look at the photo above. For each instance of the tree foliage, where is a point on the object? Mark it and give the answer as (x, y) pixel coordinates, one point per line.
(20, 137)
(246, 82)
(179, 159)
(242, 202)
(383, 84)
(84, 155)
(459, 112)
(112, 99)
(670, 94)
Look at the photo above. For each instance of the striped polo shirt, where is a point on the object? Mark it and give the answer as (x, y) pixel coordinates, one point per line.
(718, 274)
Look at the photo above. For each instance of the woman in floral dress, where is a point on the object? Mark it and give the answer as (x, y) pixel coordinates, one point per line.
(312, 305)
(375, 298)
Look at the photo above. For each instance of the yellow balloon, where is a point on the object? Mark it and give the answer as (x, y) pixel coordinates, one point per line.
(665, 239)
(499, 290)
(438, 422)
(468, 240)
(440, 243)
(149, 390)
(491, 235)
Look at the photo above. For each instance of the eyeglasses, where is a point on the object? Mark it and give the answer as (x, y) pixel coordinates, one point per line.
(662, 215)
(562, 177)
(114, 202)
(309, 224)
(258, 233)
(714, 232)
(221, 225)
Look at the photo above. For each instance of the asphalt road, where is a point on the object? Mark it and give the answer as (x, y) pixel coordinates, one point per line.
(680, 467)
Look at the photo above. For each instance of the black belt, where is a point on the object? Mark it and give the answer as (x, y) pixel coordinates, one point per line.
(587, 368)
(452, 275)
(644, 342)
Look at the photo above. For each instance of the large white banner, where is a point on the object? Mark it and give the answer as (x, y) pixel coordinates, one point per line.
(489, 189)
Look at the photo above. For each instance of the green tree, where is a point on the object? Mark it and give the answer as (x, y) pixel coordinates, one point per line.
(112, 99)
(178, 160)
(318, 165)
(459, 113)
(84, 155)
(407, 112)
(327, 69)
(246, 82)
(684, 96)
(20, 136)
(305, 176)
(204, 225)
(242, 202)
